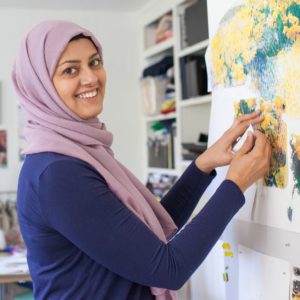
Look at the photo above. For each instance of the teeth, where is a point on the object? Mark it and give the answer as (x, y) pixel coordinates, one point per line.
(88, 95)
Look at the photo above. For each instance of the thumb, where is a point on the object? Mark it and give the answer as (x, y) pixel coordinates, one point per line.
(247, 146)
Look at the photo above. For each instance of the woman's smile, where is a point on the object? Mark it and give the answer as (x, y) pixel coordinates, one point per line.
(88, 96)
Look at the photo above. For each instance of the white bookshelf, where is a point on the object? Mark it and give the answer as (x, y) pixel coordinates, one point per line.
(192, 115)
(188, 111)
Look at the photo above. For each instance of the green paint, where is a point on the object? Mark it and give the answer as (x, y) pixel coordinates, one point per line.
(295, 169)
(244, 108)
(294, 9)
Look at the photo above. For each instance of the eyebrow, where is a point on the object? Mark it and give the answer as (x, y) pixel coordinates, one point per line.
(77, 61)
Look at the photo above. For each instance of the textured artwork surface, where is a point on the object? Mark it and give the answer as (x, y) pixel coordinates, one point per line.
(254, 63)
(276, 130)
(259, 40)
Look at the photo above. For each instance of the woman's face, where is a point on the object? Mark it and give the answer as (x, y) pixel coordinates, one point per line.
(80, 78)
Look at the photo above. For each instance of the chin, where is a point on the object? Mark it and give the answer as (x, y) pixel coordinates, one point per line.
(90, 115)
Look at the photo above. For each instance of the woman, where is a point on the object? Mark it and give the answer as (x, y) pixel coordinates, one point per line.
(92, 230)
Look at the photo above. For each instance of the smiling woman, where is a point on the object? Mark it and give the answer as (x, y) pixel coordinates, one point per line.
(80, 78)
(92, 230)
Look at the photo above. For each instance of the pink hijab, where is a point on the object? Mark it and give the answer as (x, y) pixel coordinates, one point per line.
(53, 127)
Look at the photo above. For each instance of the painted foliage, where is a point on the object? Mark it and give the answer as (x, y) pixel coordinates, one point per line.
(276, 130)
(260, 40)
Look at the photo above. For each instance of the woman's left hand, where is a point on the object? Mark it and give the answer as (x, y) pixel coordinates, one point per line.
(220, 153)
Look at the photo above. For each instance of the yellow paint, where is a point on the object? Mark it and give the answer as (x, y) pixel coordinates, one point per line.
(226, 246)
(228, 253)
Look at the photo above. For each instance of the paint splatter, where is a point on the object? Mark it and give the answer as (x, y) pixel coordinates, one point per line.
(244, 107)
(290, 214)
(295, 145)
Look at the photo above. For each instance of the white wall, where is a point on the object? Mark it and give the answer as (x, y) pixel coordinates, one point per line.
(118, 34)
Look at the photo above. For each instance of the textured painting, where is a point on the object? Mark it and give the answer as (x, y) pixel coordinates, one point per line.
(254, 63)
(276, 130)
(259, 41)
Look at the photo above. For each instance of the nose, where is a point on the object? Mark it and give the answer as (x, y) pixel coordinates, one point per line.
(88, 76)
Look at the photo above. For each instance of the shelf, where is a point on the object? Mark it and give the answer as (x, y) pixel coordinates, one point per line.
(161, 117)
(159, 48)
(178, 2)
(192, 49)
(163, 171)
(195, 101)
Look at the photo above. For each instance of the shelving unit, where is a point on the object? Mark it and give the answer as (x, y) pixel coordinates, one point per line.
(193, 112)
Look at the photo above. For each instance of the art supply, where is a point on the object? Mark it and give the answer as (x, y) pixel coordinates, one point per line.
(242, 140)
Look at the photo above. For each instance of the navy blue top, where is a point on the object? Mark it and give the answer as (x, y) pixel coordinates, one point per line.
(83, 243)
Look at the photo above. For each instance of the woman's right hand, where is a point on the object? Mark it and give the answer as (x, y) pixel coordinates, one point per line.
(251, 162)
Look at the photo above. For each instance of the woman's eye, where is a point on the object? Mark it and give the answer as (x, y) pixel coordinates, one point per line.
(96, 62)
(70, 71)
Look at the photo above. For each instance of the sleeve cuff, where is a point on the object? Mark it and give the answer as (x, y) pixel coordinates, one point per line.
(212, 174)
(235, 191)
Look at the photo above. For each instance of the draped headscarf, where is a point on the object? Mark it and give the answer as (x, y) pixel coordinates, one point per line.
(52, 126)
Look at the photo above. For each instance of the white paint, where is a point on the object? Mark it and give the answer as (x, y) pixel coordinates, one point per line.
(118, 34)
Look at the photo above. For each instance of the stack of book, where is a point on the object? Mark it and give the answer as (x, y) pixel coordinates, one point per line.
(193, 76)
(194, 23)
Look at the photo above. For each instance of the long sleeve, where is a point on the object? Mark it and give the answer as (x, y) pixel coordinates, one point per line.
(77, 203)
(183, 197)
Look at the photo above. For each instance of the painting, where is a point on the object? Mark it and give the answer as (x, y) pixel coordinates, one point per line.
(256, 41)
(3, 149)
(253, 63)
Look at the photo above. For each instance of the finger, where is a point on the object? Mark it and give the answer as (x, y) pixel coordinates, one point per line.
(247, 117)
(261, 141)
(247, 146)
(250, 116)
(235, 132)
(257, 120)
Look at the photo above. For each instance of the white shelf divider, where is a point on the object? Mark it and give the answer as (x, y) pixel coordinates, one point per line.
(196, 101)
(159, 48)
(192, 49)
(161, 117)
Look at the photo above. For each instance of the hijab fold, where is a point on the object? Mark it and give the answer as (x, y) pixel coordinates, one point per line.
(53, 127)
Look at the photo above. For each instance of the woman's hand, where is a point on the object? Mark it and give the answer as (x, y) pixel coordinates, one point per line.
(251, 162)
(220, 153)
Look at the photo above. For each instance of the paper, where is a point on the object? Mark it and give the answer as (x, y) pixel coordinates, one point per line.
(262, 277)
(253, 60)
(13, 264)
(208, 282)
